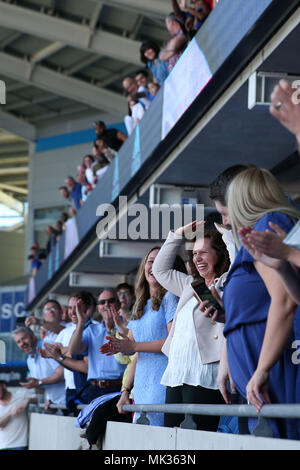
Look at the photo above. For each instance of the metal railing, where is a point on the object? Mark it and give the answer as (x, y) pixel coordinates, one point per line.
(289, 411)
(263, 429)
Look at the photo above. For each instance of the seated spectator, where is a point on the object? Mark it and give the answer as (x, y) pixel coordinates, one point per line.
(64, 218)
(81, 169)
(153, 88)
(86, 188)
(142, 78)
(176, 44)
(72, 213)
(131, 86)
(75, 191)
(108, 152)
(150, 55)
(36, 263)
(113, 138)
(65, 193)
(136, 112)
(192, 16)
(59, 229)
(44, 373)
(51, 239)
(89, 161)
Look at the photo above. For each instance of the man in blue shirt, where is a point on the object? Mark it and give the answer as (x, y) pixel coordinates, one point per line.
(75, 191)
(104, 372)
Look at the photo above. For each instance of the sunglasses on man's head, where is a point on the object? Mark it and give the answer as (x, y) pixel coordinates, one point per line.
(112, 300)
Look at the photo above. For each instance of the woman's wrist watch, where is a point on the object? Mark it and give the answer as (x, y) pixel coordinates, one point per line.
(62, 357)
(125, 389)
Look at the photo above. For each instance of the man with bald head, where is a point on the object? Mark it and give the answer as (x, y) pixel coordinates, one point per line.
(132, 88)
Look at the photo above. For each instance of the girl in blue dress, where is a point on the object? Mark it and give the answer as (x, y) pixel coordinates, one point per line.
(153, 314)
(259, 310)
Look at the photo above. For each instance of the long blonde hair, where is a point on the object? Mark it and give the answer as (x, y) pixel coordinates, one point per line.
(254, 193)
(142, 291)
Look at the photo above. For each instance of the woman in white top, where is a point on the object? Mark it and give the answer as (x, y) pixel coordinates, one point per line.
(195, 341)
(136, 111)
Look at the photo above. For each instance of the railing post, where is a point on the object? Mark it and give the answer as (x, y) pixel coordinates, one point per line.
(143, 419)
(262, 429)
(188, 422)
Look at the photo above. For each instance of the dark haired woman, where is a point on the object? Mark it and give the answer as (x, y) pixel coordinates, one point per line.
(150, 55)
(153, 314)
(195, 341)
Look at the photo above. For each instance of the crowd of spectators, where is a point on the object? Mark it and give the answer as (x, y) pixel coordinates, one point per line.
(141, 89)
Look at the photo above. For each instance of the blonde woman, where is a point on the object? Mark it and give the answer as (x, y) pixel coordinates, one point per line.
(259, 311)
(153, 314)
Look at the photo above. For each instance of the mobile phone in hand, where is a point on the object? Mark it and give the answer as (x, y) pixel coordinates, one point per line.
(203, 293)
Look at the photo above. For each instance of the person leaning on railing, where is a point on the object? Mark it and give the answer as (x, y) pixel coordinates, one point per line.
(195, 342)
(259, 310)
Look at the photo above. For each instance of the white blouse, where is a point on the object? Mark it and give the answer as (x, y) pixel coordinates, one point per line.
(184, 366)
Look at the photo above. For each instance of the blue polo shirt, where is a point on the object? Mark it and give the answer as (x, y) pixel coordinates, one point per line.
(101, 367)
(76, 195)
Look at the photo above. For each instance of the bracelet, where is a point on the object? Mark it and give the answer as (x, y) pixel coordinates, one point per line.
(125, 389)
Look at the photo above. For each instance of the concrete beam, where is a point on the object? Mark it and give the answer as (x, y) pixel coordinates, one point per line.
(14, 171)
(61, 85)
(69, 33)
(17, 126)
(13, 160)
(11, 202)
(13, 189)
(158, 8)
(47, 52)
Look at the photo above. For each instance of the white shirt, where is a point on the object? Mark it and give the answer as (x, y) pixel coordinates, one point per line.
(40, 368)
(15, 433)
(137, 111)
(64, 338)
(184, 365)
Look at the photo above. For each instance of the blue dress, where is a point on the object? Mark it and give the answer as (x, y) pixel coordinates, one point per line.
(247, 302)
(151, 366)
(159, 70)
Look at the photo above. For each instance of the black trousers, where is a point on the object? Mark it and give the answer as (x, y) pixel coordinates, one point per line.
(106, 412)
(189, 394)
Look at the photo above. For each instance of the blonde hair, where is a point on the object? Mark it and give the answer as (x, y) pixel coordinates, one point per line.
(142, 292)
(254, 193)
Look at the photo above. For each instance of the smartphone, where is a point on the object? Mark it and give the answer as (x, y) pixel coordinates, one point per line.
(202, 293)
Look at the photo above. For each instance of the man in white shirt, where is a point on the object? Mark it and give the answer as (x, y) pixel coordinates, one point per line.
(44, 373)
(13, 419)
(52, 322)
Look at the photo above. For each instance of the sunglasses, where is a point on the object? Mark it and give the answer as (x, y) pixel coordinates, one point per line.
(112, 300)
(125, 293)
(51, 309)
